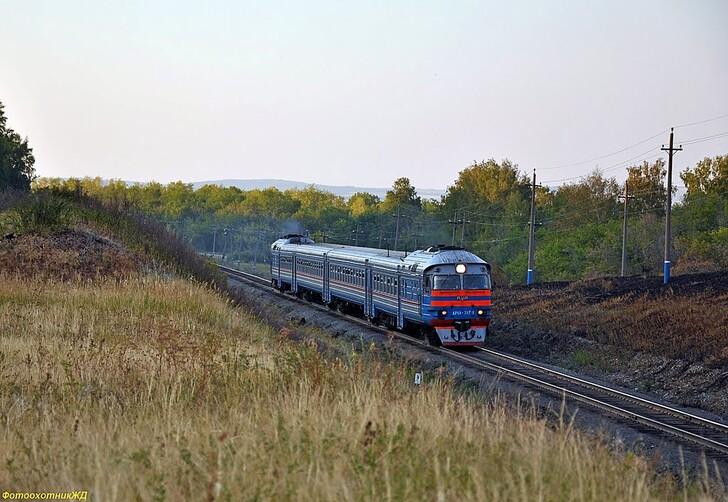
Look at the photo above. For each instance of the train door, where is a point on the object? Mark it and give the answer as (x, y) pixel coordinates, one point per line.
(418, 293)
(399, 289)
(277, 272)
(368, 310)
(294, 279)
(325, 288)
(274, 267)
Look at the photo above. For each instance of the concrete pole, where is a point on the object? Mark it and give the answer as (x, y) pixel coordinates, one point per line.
(532, 233)
(624, 232)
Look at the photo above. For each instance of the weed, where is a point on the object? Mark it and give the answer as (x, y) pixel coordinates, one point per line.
(40, 212)
(583, 358)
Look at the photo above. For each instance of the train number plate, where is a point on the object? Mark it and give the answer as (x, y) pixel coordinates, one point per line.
(462, 313)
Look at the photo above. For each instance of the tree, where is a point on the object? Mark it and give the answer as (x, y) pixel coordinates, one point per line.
(647, 186)
(178, 199)
(487, 182)
(701, 221)
(317, 209)
(402, 194)
(709, 177)
(592, 200)
(16, 158)
(269, 203)
(215, 199)
(362, 203)
(495, 198)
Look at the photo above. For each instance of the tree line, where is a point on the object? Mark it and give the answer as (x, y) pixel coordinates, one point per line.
(486, 209)
(579, 225)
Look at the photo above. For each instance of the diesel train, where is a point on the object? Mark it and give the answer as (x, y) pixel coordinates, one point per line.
(441, 293)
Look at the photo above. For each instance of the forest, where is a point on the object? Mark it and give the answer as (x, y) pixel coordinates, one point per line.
(579, 226)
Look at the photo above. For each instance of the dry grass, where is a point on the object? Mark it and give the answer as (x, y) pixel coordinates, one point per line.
(153, 389)
(68, 254)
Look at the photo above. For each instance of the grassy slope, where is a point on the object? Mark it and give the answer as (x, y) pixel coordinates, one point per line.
(150, 388)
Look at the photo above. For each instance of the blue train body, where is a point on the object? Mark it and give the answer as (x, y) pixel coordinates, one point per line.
(443, 292)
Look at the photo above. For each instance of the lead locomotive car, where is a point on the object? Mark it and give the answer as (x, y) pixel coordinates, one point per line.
(441, 293)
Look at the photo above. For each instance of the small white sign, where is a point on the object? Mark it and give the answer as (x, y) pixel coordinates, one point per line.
(418, 378)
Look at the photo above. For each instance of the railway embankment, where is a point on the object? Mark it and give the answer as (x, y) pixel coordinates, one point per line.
(667, 340)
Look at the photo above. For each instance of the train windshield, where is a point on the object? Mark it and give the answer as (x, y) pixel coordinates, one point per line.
(446, 282)
(476, 282)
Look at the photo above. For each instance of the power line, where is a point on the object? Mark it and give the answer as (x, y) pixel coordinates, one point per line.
(638, 144)
(701, 122)
(605, 156)
(613, 166)
(705, 138)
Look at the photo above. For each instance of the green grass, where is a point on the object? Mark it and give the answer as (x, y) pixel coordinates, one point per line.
(40, 212)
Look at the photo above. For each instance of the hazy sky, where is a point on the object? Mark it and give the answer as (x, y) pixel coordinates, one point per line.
(343, 92)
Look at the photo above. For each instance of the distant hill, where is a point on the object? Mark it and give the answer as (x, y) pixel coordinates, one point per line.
(343, 191)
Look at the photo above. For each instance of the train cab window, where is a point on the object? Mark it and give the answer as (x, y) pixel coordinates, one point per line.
(476, 282)
(446, 282)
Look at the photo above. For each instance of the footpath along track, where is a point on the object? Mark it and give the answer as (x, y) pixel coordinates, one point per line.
(688, 427)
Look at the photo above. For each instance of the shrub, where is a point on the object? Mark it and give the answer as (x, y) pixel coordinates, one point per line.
(41, 212)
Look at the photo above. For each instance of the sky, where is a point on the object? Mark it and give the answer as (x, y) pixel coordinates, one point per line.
(362, 92)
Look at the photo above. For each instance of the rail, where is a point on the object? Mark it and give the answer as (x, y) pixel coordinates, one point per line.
(687, 426)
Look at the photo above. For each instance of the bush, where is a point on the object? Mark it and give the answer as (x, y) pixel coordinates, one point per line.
(41, 212)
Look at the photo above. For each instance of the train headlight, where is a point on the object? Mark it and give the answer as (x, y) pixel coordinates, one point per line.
(481, 312)
(460, 268)
(442, 313)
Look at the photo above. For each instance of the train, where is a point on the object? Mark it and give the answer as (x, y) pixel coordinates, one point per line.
(441, 293)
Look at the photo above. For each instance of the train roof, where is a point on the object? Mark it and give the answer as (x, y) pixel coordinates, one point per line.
(415, 261)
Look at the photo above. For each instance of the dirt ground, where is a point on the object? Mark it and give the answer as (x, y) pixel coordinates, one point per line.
(666, 340)
(68, 254)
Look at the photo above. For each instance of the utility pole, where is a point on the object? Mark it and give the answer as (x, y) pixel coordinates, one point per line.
(454, 222)
(356, 233)
(532, 233)
(670, 152)
(214, 239)
(624, 230)
(396, 232)
(224, 242)
(462, 236)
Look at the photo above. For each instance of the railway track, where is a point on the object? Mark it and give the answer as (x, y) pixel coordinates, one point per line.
(687, 427)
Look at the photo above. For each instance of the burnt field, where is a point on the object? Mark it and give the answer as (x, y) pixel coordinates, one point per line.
(686, 319)
(670, 339)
